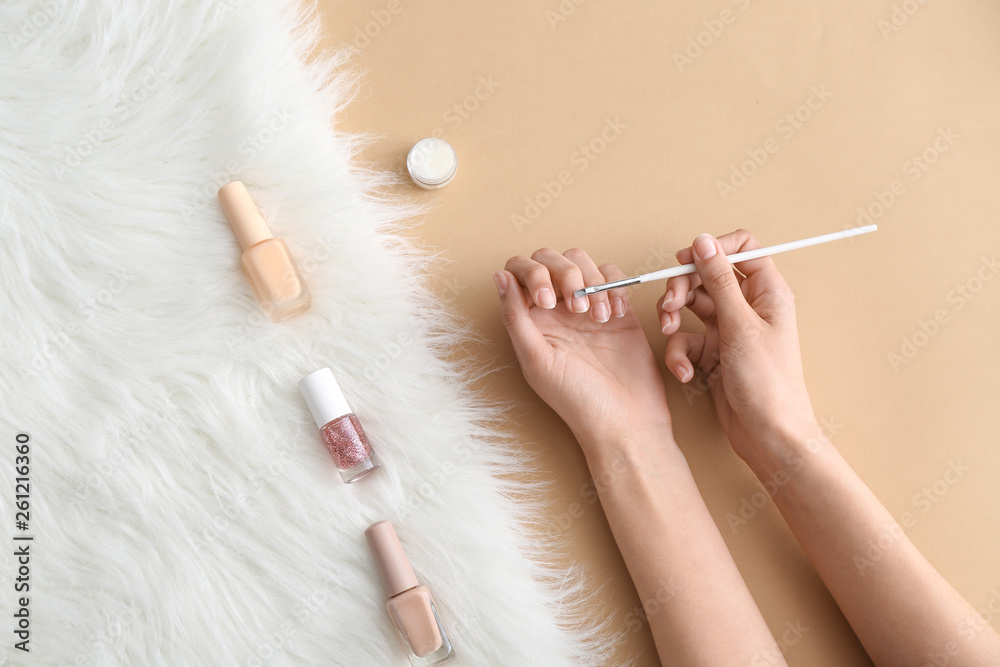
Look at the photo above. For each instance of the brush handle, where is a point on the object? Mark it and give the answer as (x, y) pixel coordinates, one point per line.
(745, 256)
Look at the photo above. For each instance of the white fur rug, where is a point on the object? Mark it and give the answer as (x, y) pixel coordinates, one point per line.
(183, 507)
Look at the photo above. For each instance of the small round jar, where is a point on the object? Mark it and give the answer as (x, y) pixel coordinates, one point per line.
(432, 163)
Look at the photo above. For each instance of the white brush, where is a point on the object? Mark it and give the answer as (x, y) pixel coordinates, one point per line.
(735, 258)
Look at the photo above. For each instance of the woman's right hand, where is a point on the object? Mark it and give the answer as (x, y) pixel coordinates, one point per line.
(749, 353)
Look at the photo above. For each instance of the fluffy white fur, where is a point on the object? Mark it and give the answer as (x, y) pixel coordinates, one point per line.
(184, 508)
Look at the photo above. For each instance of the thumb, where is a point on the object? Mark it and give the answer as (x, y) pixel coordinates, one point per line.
(529, 343)
(719, 280)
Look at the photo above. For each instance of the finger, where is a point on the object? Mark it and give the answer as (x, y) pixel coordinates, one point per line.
(684, 351)
(685, 256)
(774, 296)
(619, 295)
(566, 278)
(677, 291)
(529, 343)
(698, 302)
(600, 306)
(701, 304)
(688, 291)
(719, 280)
(740, 241)
(535, 277)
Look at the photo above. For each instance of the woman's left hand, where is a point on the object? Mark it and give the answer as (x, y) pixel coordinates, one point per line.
(587, 358)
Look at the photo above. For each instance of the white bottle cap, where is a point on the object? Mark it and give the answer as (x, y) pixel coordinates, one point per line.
(323, 396)
(432, 163)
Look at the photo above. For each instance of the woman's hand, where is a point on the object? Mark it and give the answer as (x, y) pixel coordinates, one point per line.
(587, 358)
(749, 352)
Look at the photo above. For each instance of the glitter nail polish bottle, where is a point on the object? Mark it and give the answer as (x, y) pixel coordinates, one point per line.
(342, 432)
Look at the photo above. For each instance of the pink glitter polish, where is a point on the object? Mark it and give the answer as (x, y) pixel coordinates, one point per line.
(342, 432)
(346, 441)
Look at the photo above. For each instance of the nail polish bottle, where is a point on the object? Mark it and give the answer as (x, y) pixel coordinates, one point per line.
(410, 606)
(273, 273)
(342, 432)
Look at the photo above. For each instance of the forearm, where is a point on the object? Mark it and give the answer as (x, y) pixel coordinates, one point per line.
(901, 608)
(697, 604)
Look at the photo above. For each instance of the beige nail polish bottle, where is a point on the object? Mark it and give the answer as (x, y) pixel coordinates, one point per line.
(273, 273)
(410, 606)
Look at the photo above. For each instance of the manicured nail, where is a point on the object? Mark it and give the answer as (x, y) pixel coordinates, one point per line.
(668, 298)
(618, 306)
(500, 278)
(580, 304)
(546, 298)
(601, 312)
(684, 373)
(704, 246)
(668, 319)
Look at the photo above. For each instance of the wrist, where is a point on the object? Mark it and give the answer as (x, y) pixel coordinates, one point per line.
(787, 447)
(634, 442)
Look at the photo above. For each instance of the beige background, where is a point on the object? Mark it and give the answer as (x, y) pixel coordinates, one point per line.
(555, 80)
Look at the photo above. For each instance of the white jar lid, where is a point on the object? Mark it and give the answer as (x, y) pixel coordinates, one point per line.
(432, 163)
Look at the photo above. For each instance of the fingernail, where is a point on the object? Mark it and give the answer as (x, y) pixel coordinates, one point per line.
(601, 312)
(580, 304)
(704, 246)
(667, 321)
(500, 278)
(684, 373)
(546, 298)
(618, 306)
(668, 298)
